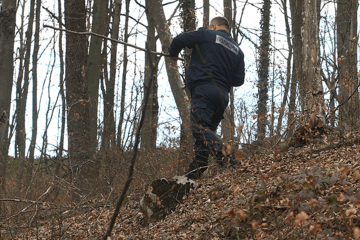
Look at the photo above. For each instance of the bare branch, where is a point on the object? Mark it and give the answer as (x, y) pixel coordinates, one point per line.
(110, 39)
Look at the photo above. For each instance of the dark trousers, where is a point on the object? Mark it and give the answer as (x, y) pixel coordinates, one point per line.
(208, 104)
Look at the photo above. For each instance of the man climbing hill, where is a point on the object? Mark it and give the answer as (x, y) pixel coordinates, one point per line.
(217, 64)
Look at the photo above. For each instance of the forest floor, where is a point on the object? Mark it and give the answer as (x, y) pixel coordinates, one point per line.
(310, 192)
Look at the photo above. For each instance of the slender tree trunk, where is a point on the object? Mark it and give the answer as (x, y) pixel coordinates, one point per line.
(62, 93)
(156, 12)
(314, 107)
(206, 16)
(263, 69)
(109, 138)
(347, 39)
(77, 93)
(149, 130)
(123, 84)
(21, 108)
(7, 35)
(296, 9)
(189, 24)
(94, 68)
(227, 126)
(34, 102)
(288, 69)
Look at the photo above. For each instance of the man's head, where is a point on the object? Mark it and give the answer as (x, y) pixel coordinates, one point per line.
(218, 23)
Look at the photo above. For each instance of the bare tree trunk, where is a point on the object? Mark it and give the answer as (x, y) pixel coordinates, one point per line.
(94, 68)
(62, 93)
(149, 130)
(263, 69)
(347, 38)
(206, 16)
(7, 35)
(34, 102)
(314, 107)
(77, 93)
(21, 107)
(156, 12)
(123, 84)
(189, 24)
(288, 68)
(296, 9)
(109, 137)
(227, 128)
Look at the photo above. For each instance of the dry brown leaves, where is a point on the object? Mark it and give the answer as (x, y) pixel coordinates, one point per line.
(292, 194)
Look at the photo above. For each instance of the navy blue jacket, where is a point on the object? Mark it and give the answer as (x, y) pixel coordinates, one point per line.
(216, 58)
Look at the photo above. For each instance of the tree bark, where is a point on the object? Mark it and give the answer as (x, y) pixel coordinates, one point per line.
(123, 84)
(156, 12)
(227, 124)
(109, 137)
(314, 105)
(77, 92)
(23, 90)
(34, 102)
(7, 35)
(296, 9)
(62, 93)
(94, 68)
(206, 16)
(263, 69)
(347, 38)
(288, 69)
(149, 130)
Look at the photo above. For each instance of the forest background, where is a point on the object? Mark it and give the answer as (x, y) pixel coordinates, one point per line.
(72, 103)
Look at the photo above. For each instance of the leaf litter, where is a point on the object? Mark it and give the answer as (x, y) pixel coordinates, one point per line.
(311, 192)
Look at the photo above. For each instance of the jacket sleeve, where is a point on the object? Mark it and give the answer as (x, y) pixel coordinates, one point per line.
(239, 76)
(188, 39)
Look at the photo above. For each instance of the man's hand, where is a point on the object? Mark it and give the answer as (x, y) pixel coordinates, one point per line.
(174, 58)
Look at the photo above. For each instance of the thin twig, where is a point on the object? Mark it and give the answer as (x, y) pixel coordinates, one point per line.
(110, 39)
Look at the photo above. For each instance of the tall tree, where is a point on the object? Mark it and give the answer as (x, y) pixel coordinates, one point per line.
(22, 93)
(94, 68)
(263, 69)
(149, 130)
(62, 91)
(123, 82)
(296, 9)
(77, 92)
(347, 38)
(109, 139)
(156, 12)
(206, 15)
(314, 104)
(34, 91)
(227, 124)
(288, 67)
(7, 36)
(189, 24)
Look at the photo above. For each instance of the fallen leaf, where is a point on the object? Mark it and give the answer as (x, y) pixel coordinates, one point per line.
(356, 232)
(254, 224)
(242, 215)
(350, 211)
(313, 202)
(301, 218)
(228, 149)
(341, 197)
(240, 130)
(356, 175)
(238, 154)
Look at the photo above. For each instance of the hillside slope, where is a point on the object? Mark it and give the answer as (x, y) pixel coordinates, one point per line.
(307, 193)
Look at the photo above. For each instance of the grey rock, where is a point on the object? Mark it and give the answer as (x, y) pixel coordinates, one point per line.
(162, 196)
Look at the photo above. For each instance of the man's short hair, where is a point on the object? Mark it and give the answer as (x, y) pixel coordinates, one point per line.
(221, 21)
